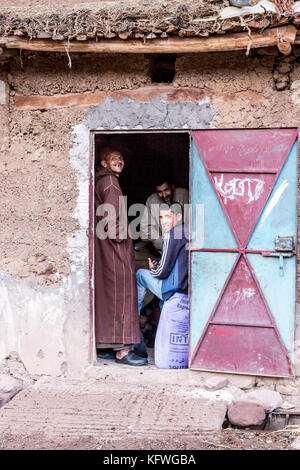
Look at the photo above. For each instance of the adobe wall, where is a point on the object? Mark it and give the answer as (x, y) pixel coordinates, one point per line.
(44, 313)
(45, 122)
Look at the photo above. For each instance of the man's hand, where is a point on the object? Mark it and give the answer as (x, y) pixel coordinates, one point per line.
(152, 263)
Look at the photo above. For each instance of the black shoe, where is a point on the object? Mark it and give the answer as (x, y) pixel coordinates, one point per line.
(106, 354)
(132, 360)
(140, 353)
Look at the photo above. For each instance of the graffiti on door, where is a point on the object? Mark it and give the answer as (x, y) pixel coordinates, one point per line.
(248, 187)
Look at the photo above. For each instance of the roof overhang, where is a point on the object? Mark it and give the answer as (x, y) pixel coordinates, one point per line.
(283, 37)
(150, 26)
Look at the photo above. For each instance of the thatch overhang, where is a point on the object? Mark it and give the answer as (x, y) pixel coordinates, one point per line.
(141, 23)
(148, 19)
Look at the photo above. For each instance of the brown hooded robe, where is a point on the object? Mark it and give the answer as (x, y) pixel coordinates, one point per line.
(116, 309)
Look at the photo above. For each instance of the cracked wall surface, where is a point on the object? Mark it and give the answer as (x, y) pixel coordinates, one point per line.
(44, 296)
(243, 88)
(45, 310)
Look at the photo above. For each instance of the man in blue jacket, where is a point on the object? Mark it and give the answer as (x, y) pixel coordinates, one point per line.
(169, 274)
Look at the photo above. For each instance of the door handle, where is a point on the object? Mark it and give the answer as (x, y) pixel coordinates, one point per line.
(280, 256)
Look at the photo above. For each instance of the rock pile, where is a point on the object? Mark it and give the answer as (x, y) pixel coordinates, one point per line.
(281, 74)
(245, 408)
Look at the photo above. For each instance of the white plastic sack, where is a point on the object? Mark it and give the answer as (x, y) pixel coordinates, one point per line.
(171, 341)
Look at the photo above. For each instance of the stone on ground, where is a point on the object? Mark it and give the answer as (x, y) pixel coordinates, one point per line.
(269, 399)
(246, 413)
(237, 393)
(215, 383)
(9, 387)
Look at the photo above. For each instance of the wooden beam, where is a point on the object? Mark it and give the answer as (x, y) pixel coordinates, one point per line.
(141, 95)
(226, 42)
(284, 44)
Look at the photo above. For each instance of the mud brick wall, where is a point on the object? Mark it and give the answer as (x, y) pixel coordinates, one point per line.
(243, 88)
(46, 112)
(42, 188)
(44, 313)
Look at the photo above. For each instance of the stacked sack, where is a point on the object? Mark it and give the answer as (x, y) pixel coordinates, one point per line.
(171, 347)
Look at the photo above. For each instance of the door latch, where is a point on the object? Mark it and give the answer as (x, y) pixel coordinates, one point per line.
(284, 248)
(284, 243)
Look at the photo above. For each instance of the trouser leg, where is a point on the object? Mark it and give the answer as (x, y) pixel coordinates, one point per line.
(145, 281)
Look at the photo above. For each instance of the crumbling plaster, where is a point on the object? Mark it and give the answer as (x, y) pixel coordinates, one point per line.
(44, 313)
(44, 285)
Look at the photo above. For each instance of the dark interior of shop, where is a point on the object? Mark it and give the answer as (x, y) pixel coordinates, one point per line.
(147, 155)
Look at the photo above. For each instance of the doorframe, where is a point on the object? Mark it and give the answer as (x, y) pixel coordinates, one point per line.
(90, 230)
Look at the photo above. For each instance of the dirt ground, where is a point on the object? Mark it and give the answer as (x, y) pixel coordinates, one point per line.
(227, 439)
(109, 414)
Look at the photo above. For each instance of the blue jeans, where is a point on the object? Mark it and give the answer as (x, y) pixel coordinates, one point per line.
(145, 281)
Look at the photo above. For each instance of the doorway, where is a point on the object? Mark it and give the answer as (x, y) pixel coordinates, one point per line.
(252, 255)
(146, 155)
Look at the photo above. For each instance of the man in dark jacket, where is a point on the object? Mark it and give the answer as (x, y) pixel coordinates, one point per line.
(169, 274)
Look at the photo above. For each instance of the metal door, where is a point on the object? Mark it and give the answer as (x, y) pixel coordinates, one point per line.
(243, 272)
